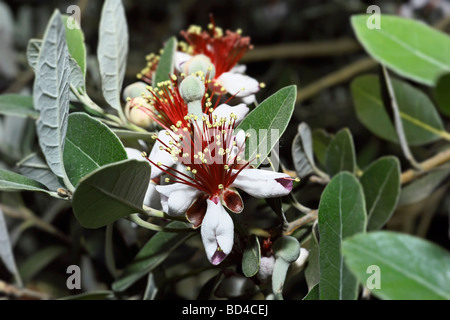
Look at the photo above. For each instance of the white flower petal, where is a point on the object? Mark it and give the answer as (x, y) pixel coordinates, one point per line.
(151, 198)
(238, 83)
(180, 59)
(217, 230)
(239, 68)
(160, 156)
(224, 111)
(134, 154)
(263, 183)
(249, 99)
(177, 198)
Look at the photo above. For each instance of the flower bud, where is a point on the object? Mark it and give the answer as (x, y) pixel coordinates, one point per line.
(192, 89)
(200, 63)
(136, 113)
(135, 90)
(265, 268)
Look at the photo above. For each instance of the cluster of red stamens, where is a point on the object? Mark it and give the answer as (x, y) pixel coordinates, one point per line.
(209, 151)
(224, 50)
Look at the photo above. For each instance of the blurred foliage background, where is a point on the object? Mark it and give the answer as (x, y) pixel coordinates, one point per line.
(309, 43)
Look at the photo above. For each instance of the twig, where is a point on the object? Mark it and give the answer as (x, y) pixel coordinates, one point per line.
(431, 163)
(294, 225)
(334, 78)
(13, 291)
(302, 50)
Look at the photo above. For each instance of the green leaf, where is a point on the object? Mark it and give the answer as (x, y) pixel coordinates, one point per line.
(312, 270)
(381, 184)
(17, 105)
(286, 250)
(267, 123)
(166, 62)
(11, 181)
(421, 122)
(302, 151)
(89, 145)
(410, 268)
(112, 51)
(75, 41)
(6, 251)
(34, 167)
(424, 186)
(33, 51)
(341, 153)
(442, 94)
(342, 214)
(251, 257)
(321, 141)
(111, 192)
(51, 94)
(410, 48)
(313, 294)
(39, 260)
(152, 254)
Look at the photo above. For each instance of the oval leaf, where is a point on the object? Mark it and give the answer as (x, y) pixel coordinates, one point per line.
(89, 145)
(17, 105)
(51, 94)
(34, 167)
(11, 181)
(75, 41)
(341, 153)
(112, 51)
(395, 44)
(421, 122)
(342, 214)
(410, 268)
(267, 122)
(381, 184)
(442, 94)
(111, 192)
(165, 64)
(251, 257)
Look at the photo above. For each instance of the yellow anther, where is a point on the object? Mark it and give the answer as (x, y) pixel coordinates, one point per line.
(144, 154)
(194, 171)
(220, 186)
(167, 180)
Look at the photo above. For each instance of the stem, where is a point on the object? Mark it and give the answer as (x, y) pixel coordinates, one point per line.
(431, 163)
(160, 214)
(142, 223)
(294, 225)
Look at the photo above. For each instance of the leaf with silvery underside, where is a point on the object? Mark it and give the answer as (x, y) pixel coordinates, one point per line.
(33, 51)
(11, 181)
(6, 251)
(34, 167)
(112, 51)
(51, 94)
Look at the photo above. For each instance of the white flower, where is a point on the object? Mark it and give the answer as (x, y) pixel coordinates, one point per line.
(208, 184)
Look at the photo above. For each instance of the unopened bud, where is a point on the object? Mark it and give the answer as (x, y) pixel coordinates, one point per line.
(200, 63)
(192, 89)
(137, 111)
(135, 90)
